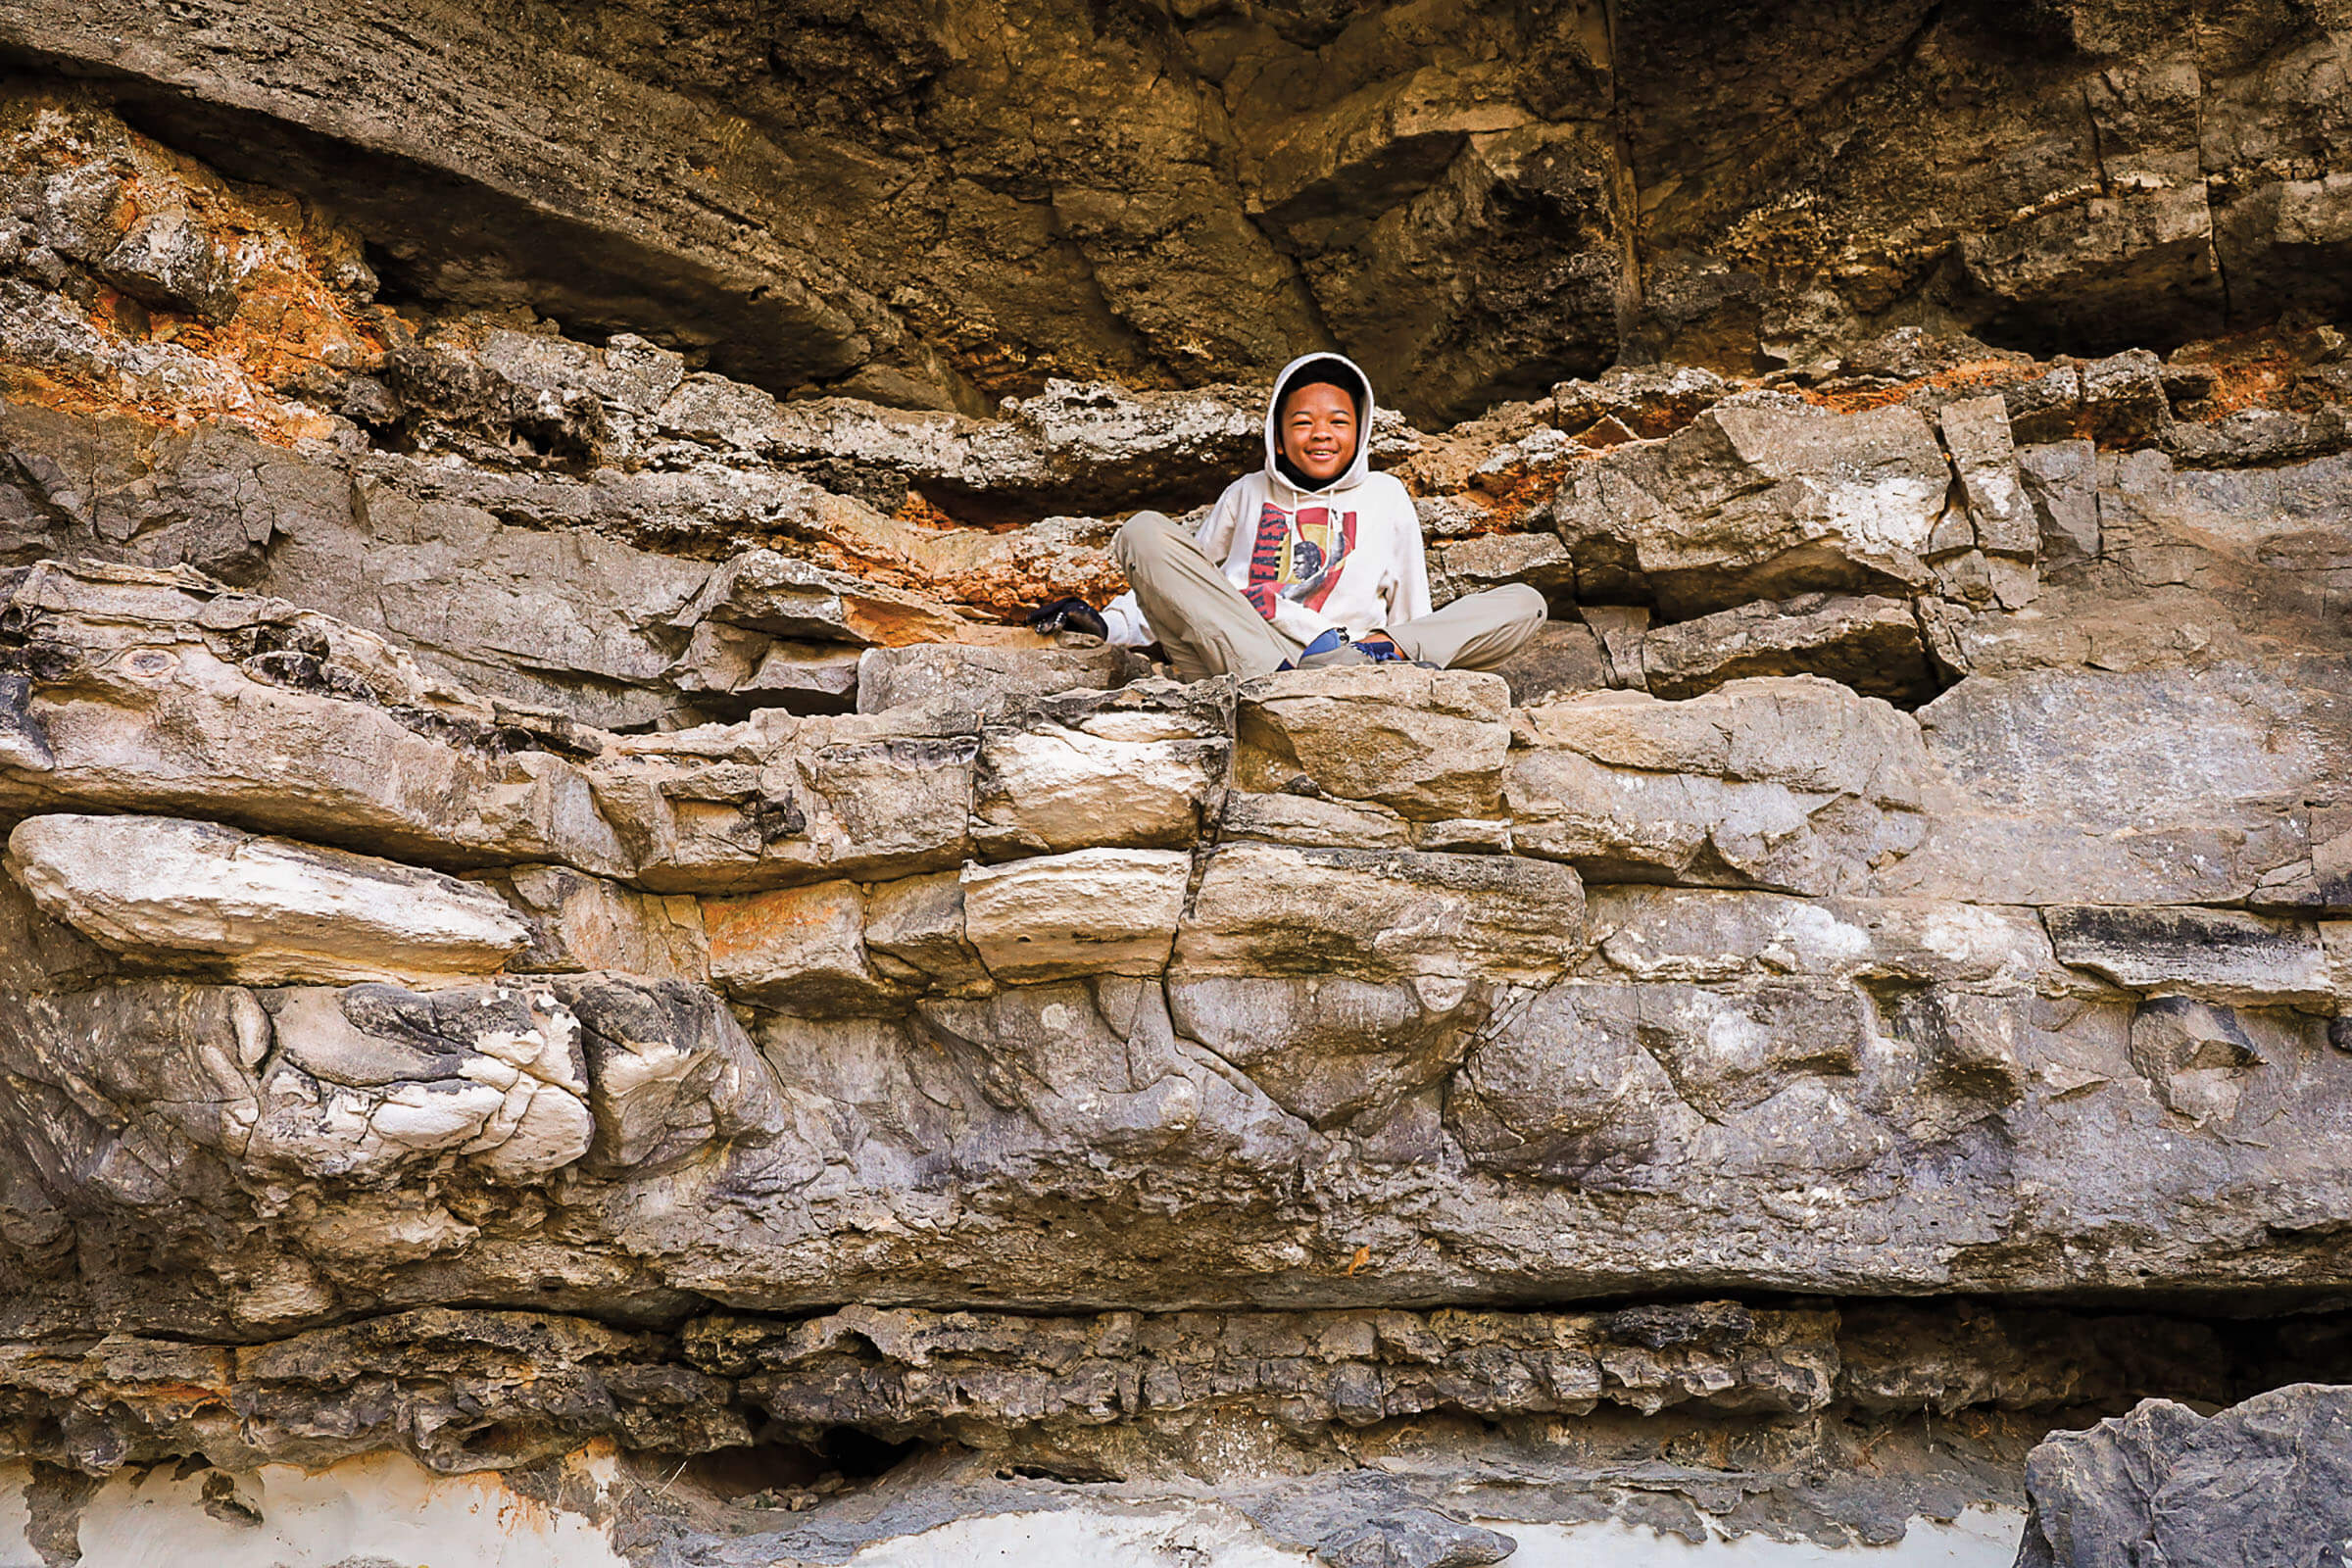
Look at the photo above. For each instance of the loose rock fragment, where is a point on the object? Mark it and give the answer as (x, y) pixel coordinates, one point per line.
(799, 950)
(1757, 503)
(2264, 1482)
(1143, 768)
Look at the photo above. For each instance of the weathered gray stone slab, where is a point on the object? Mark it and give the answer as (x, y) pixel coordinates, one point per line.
(1757, 503)
(1798, 784)
(167, 892)
(1871, 643)
(2264, 1483)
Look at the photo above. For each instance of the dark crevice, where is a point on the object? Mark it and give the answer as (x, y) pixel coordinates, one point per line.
(862, 1456)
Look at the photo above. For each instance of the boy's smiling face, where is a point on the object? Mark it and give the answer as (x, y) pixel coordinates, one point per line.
(1317, 430)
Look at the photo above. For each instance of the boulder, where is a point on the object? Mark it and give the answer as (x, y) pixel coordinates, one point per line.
(2198, 1058)
(1460, 567)
(1143, 767)
(2061, 482)
(1598, 1086)
(1976, 435)
(777, 800)
(168, 893)
(731, 671)
(1089, 911)
(798, 950)
(2263, 1482)
(1620, 630)
(1429, 744)
(1796, 784)
(1756, 502)
(914, 931)
(767, 592)
(1871, 643)
(1562, 659)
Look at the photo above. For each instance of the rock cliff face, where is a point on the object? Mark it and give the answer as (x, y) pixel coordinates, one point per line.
(555, 927)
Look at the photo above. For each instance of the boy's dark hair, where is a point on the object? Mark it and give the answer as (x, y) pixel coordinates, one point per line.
(1328, 370)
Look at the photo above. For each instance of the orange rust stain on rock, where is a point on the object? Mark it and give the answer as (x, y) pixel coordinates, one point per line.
(2254, 369)
(1510, 496)
(290, 321)
(763, 922)
(1983, 375)
(2249, 385)
(988, 572)
(188, 1393)
(893, 625)
(924, 512)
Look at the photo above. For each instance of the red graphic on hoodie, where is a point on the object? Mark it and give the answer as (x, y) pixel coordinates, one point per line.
(1298, 556)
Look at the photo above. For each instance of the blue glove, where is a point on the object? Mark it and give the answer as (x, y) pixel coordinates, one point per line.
(1068, 614)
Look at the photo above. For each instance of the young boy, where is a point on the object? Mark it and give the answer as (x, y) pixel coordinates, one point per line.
(1312, 560)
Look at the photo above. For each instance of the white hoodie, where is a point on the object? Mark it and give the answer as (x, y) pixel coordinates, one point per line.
(1347, 555)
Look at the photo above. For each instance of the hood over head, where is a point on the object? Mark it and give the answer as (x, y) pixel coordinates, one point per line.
(1309, 370)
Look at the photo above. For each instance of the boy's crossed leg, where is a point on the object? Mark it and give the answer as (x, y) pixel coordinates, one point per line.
(1207, 627)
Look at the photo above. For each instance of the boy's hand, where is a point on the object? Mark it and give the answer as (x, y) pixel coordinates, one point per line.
(1068, 614)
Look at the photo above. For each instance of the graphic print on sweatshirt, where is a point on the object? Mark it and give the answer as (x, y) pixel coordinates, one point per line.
(1299, 562)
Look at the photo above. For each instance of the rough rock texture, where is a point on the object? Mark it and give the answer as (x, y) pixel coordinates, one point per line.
(556, 923)
(1116, 997)
(2264, 1482)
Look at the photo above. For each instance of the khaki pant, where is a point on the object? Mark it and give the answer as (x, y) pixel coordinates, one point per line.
(1210, 629)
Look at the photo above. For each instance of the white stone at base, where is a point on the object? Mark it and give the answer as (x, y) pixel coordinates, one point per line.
(15, 1519)
(1204, 1536)
(1192, 1535)
(391, 1509)
(382, 1508)
(1981, 1538)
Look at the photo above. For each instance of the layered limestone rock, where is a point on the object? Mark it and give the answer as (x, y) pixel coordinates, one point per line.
(1797, 959)
(556, 924)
